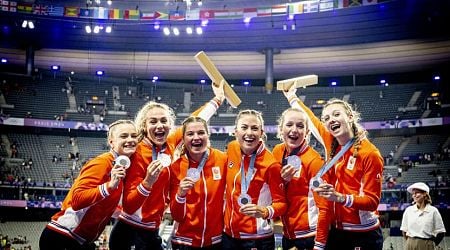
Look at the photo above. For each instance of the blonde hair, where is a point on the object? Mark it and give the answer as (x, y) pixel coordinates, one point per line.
(113, 127)
(141, 117)
(358, 131)
(258, 116)
(281, 123)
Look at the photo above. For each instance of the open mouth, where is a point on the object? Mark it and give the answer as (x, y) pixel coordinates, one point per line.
(160, 135)
(197, 145)
(335, 127)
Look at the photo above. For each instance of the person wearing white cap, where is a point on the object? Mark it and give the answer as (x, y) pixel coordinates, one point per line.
(422, 224)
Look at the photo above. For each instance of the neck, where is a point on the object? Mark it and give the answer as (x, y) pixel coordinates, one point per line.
(197, 157)
(421, 205)
(343, 139)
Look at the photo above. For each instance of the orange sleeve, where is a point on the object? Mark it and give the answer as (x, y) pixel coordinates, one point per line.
(372, 172)
(177, 204)
(277, 190)
(134, 194)
(91, 185)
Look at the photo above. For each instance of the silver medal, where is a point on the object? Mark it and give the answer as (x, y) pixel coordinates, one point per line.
(294, 161)
(165, 159)
(244, 199)
(193, 173)
(123, 161)
(316, 181)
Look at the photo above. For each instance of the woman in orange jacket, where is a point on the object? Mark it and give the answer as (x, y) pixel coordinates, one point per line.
(254, 188)
(146, 188)
(94, 196)
(356, 169)
(197, 186)
(305, 224)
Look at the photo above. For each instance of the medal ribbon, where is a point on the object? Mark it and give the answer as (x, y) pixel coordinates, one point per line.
(247, 178)
(301, 148)
(155, 153)
(203, 161)
(330, 164)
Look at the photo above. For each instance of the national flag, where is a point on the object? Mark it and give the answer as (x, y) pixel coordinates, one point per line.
(206, 14)
(280, 9)
(71, 11)
(115, 14)
(351, 3)
(10, 6)
(55, 10)
(294, 8)
(177, 15)
(132, 14)
(326, 5)
(220, 14)
(264, 11)
(147, 15)
(250, 12)
(25, 8)
(369, 2)
(86, 13)
(310, 6)
(193, 14)
(161, 15)
(101, 13)
(235, 13)
(39, 9)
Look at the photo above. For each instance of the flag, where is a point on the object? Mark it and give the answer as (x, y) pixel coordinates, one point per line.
(39, 9)
(115, 14)
(294, 8)
(25, 8)
(311, 6)
(326, 5)
(55, 11)
(220, 14)
(235, 13)
(177, 15)
(369, 2)
(250, 12)
(264, 11)
(161, 15)
(206, 14)
(132, 14)
(101, 13)
(86, 13)
(193, 14)
(147, 15)
(71, 11)
(280, 9)
(10, 6)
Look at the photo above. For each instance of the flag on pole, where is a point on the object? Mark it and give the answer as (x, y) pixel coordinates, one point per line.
(39, 9)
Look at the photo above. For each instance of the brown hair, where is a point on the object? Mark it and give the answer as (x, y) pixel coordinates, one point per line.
(113, 126)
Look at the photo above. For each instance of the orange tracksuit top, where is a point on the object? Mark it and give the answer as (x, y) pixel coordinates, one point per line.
(142, 207)
(307, 213)
(199, 215)
(359, 182)
(89, 205)
(266, 189)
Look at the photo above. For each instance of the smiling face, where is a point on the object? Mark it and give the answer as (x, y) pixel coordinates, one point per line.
(248, 132)
(293, 128)
(196, 139)
(338, 122)
(418, 196)
(158, 125)
(123, 138)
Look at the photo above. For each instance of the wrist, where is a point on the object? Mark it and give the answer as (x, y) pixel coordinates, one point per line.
(147, 185)
(340, 198)
(265, 213)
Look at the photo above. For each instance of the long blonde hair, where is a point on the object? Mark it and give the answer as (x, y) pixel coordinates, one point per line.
(258, 116)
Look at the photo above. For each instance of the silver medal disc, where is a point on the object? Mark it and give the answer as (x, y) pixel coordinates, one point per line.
(123, 161)
(193, 173)
(244, 199)
(165, 159)
(316, 181)
(294, 161)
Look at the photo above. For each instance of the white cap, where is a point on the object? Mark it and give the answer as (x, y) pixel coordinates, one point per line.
(420, 186)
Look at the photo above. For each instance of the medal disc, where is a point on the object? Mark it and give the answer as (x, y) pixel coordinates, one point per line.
(165, 159)
(123, 161)
(193, 173)
(244, 199)
(294, 161)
